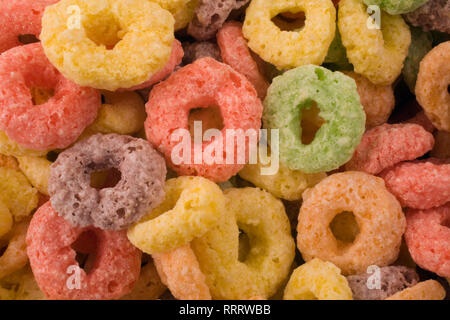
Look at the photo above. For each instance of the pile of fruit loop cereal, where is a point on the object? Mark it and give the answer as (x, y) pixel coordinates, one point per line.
(224, 149)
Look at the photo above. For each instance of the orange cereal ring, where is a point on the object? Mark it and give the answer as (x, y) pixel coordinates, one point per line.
(180, 271)
(377, 212)
(235, 52)
(378, 101)
(15, 256)
(426, 290)
(432, 86)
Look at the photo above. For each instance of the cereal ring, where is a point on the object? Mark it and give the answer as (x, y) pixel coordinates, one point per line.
(426, 290)
(422, 120)
(376, 54)
(15, 256)
(37, 171)
(22, 285)
(292, 94)
(139, 190)
(116, 44)
(210, 15)
(10, 148)
(49, 239)
(192, 206)
(317, 280)
(203, 83)
(121, 113)
(180, 271)
(175, 59)
(396, 6)
(378, 101)
(148, 286)
(389, 144)
(419, 184)
(432, 86)
(393, 279)
(19, 19)
(284, 49)
(267, 264)
(6, 219)
(235, 52)
(198, 50)
(421, 44)
(54, 124)
(285, 183)
(434, 15)
(8, 162)
(182, 10)
(17, 193)
(377, 212)
(441, 148)
(428, 238)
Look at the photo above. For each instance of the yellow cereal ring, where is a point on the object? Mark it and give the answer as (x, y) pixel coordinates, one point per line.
(15, 256)
(148, 286)
(17, 193)
(107, 44)
(378, 101)
(285, 183)
(266, 266)
(191, 207)
(25, 286)
(121, 113)
(432, 86)
(286, 49)
(426, 290)
(37, 170)
(6, 219)
(441, 147)
(10, 148)
(182, 10)
(8, 162)
(180, 271)
(317, 280)
(378, 214)
(376, 54)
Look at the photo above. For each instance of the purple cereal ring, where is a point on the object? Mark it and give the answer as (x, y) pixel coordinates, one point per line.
(113, 262)
(20, 18)
(140, 189)
(54, 124)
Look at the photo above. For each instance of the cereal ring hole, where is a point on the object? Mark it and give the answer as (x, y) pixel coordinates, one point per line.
(101, 179)
(244, 246)
(446, 223)
(210, 117)
(27, 38)
(41, 95)
(290, 21)
(310, 122)
(85, 247)
(345, 228)
(103, 28)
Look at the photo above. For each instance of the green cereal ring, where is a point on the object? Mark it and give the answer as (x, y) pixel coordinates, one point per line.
(397, 6)
(340, 107)
(421, 44)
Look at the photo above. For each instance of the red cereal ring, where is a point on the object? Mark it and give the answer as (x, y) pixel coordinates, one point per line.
(20, 18)
(428, 238)
(175, 59)
(235, 52)
(389, 144)
(54, 124)
(204, 83)
(419, 184)
(114, 270)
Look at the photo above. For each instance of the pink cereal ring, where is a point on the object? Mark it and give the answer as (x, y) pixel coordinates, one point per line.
(175, 59)
(428, 238)
(54, 124)
(115, 264)
(204, 83)
(389, 144)
(419, 184)
(19, 18)
(235, 52)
